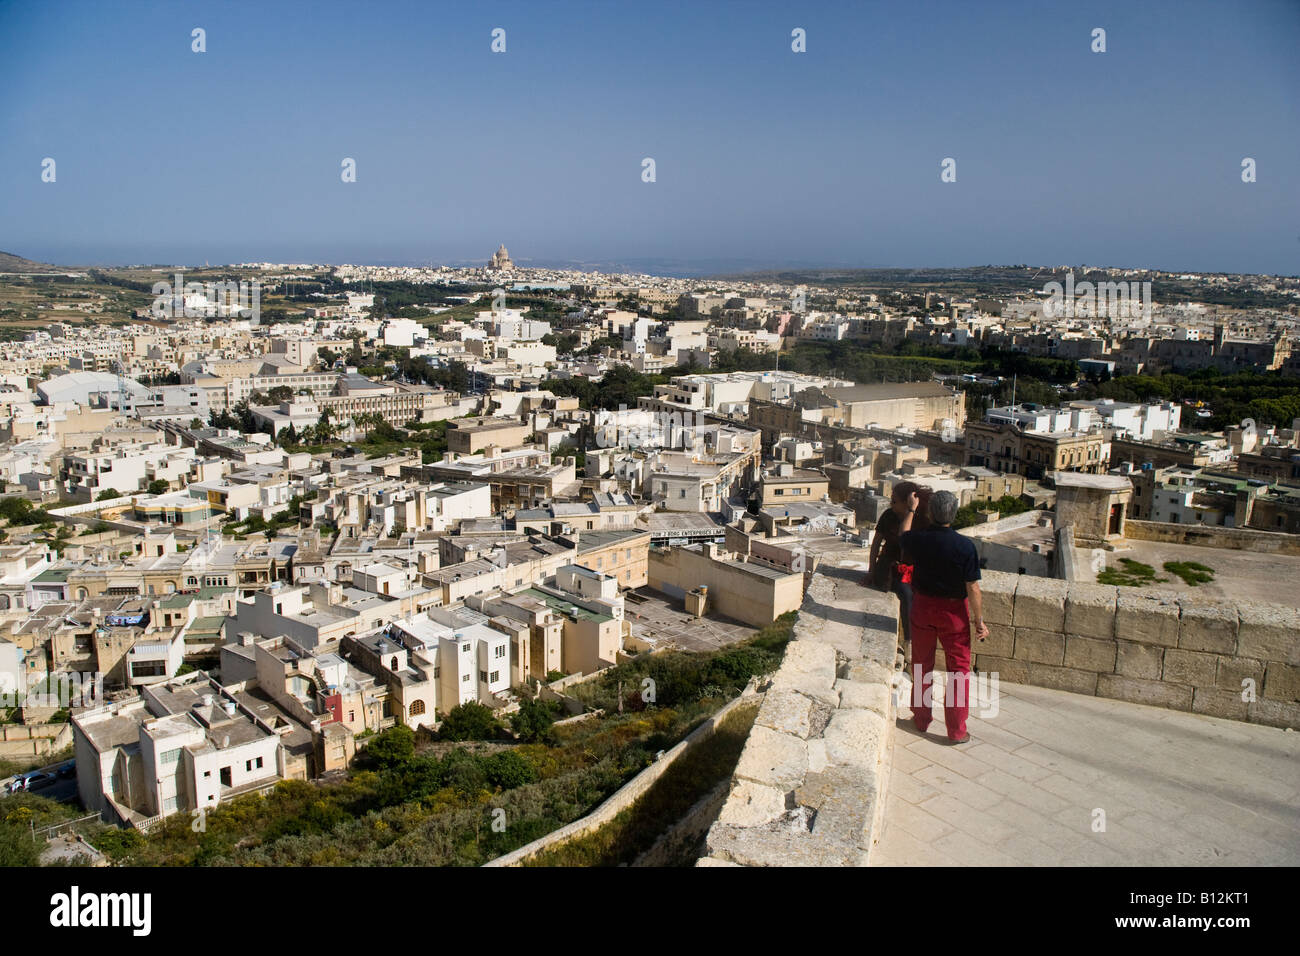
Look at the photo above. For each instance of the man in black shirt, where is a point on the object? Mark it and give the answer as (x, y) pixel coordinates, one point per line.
(946, 602)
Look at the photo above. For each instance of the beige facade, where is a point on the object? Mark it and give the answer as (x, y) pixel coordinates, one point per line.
(1006, 448)
(748, 592)
(469, 436)
(623, 555)
(787, 484)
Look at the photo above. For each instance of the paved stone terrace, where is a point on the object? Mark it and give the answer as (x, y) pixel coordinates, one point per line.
(1178, 789)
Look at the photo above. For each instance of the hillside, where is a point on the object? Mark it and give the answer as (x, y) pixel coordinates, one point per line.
(12, 263)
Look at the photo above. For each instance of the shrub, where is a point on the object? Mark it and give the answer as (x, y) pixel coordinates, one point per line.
(534, 719)
(470, 721)
(117, 843)
(392, 749)
(508, 770)
(463, 772)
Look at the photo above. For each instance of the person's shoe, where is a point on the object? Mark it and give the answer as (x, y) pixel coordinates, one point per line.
(961, 740)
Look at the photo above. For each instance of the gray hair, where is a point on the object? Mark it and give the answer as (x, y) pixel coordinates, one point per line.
(943, 507)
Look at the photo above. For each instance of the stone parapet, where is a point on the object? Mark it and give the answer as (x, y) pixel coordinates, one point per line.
(1153, 647)
(809, 787)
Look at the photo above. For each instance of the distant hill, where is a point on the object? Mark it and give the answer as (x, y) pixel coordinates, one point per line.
(12, 263)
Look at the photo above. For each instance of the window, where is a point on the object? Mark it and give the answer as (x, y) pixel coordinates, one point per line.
(494, 677)
(207, 774)
(499, 651)
(352, 715)
(464, 678)
(464, 648)
(170, 756)
(482, 676)
(248, 766)
(169, 805)
(417, 708)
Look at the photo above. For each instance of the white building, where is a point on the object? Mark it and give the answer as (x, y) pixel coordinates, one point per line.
(178, 747)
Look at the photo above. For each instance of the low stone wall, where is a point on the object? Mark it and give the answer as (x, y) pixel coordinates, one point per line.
(629, 793)
(809, 787)
(1234, 539)
(1149, 647)
(33, 740)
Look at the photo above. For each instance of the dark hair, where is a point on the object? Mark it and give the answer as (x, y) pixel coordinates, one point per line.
(922, 517)
(902, 490)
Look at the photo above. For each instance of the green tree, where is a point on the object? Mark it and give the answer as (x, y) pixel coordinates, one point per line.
(470, 721)
(19, 511)
(17, 848)
(533, 720)
(108, 494)
(392, 749)
(507, 770)
(463, 772)
(158, 486)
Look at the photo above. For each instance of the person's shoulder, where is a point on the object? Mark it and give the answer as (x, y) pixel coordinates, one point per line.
(962, 543)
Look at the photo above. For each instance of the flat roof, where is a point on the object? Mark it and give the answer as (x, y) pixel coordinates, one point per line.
(561, 606)
(1079, 479)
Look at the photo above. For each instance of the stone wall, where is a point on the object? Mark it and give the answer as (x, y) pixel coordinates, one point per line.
(1145, 646)
(630, 792)
(1234, 539)
(809, 787)
(21, 741)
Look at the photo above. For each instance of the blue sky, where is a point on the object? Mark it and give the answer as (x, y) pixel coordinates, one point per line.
(763, 156)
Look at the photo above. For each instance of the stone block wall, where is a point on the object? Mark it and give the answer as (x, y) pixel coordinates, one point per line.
(1150, 647)
(808, 789)
(1209, 536)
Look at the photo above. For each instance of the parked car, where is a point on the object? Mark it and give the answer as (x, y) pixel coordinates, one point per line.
(39, 779)
(66, 769)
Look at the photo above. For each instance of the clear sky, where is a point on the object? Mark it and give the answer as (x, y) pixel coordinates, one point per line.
(763, 156)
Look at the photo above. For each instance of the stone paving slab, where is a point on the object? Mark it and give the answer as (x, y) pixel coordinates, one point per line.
(1176, 788)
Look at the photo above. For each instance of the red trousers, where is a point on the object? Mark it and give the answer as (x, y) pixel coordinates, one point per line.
(947, 623)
